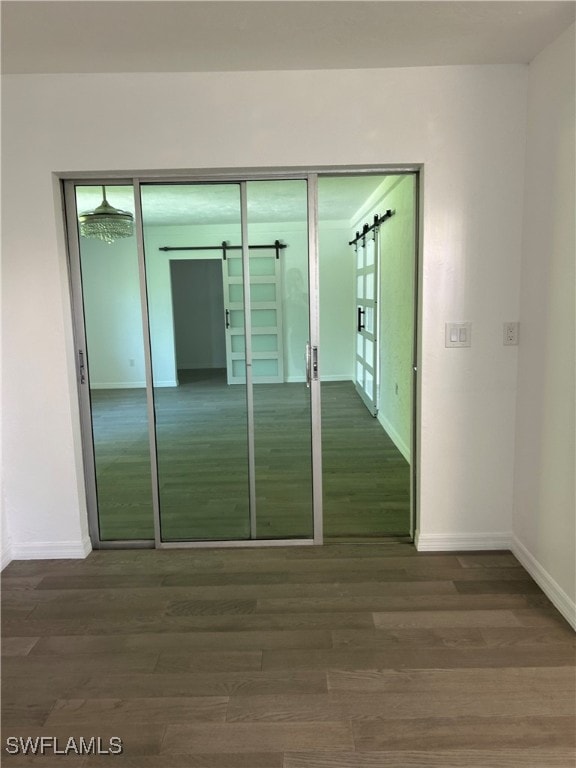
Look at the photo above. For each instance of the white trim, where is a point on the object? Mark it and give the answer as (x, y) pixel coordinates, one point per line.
(299, 379)
(549, 585)
(131, 384)
(454, 542)
(117, 385)
(236, 544)
(394, 436)
(6, 555)
(52, 550)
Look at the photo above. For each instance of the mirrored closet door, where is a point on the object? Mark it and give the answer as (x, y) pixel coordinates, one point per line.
(195, 361)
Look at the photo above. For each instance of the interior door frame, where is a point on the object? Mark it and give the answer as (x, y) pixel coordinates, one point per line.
(216, 176)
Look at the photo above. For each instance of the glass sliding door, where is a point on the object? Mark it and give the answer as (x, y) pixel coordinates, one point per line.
(197, 350)
(111, 363)
(278, 296)
(201, 419)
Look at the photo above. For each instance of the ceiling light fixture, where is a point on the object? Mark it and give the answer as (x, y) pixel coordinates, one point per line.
(106, 222)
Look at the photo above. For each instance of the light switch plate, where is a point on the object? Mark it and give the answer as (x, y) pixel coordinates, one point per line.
(458, 335)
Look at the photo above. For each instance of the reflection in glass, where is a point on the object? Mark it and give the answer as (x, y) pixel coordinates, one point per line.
(280, 330)
(115, 357)
(196, 308)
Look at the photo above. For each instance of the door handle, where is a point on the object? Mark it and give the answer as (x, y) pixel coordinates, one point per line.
(81, 366)
(361, 313)
(227, 318)
(311, 364)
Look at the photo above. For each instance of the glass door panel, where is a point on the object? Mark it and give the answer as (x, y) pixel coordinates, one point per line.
(279, 332)
(114, 365)
(200, 398)
(366, 377)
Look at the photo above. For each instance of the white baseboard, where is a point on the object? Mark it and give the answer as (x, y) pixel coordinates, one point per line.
(330, 377)
(549, 586)
(453, 542)
(131, 384)
(5, 555)
(117, 385)
(52, 550)
(394, 436)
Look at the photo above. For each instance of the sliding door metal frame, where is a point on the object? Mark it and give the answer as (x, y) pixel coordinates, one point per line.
(80, 348)
(248, 355)
(150, 405)
(219, 176)
(314, 331)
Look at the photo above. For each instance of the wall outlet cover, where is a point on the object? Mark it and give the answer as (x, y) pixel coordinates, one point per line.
(511, 334)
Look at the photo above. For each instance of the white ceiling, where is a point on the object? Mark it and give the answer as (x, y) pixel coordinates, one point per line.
(43, 36)
(268, 201)
(181, 36)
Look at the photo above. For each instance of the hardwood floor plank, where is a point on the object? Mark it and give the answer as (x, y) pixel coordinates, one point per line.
(218, 661)
(439, 733)
(209, 607)
(264, 737)
(434, 619)
(395, 580)
(18, 646)
(544, 616)
(210, 760)
(378, 604)
(488, 560)
(212, 683)
(465, 637)
(78, 664)
(538, 681)
(18, 583)
(359, 705)
(109, 711)
(286, 709)
(181, 642)
(183, 624)
(48, 761)
(100, 582)
(419, 658)
(21, 712)
(492, 587)
(450, 758)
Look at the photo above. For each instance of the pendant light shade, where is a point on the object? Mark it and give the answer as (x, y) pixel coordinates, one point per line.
(106, 222)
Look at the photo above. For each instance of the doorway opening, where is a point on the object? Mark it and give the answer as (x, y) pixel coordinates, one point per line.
(199, 319)
(205, 339)
(368, 269)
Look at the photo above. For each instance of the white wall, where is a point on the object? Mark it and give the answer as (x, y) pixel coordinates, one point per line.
(397, 304)
(465, 124)
(544, 498)
(336, 270)
(112, 312)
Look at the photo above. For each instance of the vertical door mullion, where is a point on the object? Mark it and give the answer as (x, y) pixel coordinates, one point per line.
(376, 320)
(248, 354)
(139, 231)
(313, 280)
(80, 347)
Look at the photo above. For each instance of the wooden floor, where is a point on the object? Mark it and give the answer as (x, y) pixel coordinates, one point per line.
(344, 656)
(203, 464)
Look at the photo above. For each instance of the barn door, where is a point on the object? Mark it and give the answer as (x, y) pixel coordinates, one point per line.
(367, 300)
